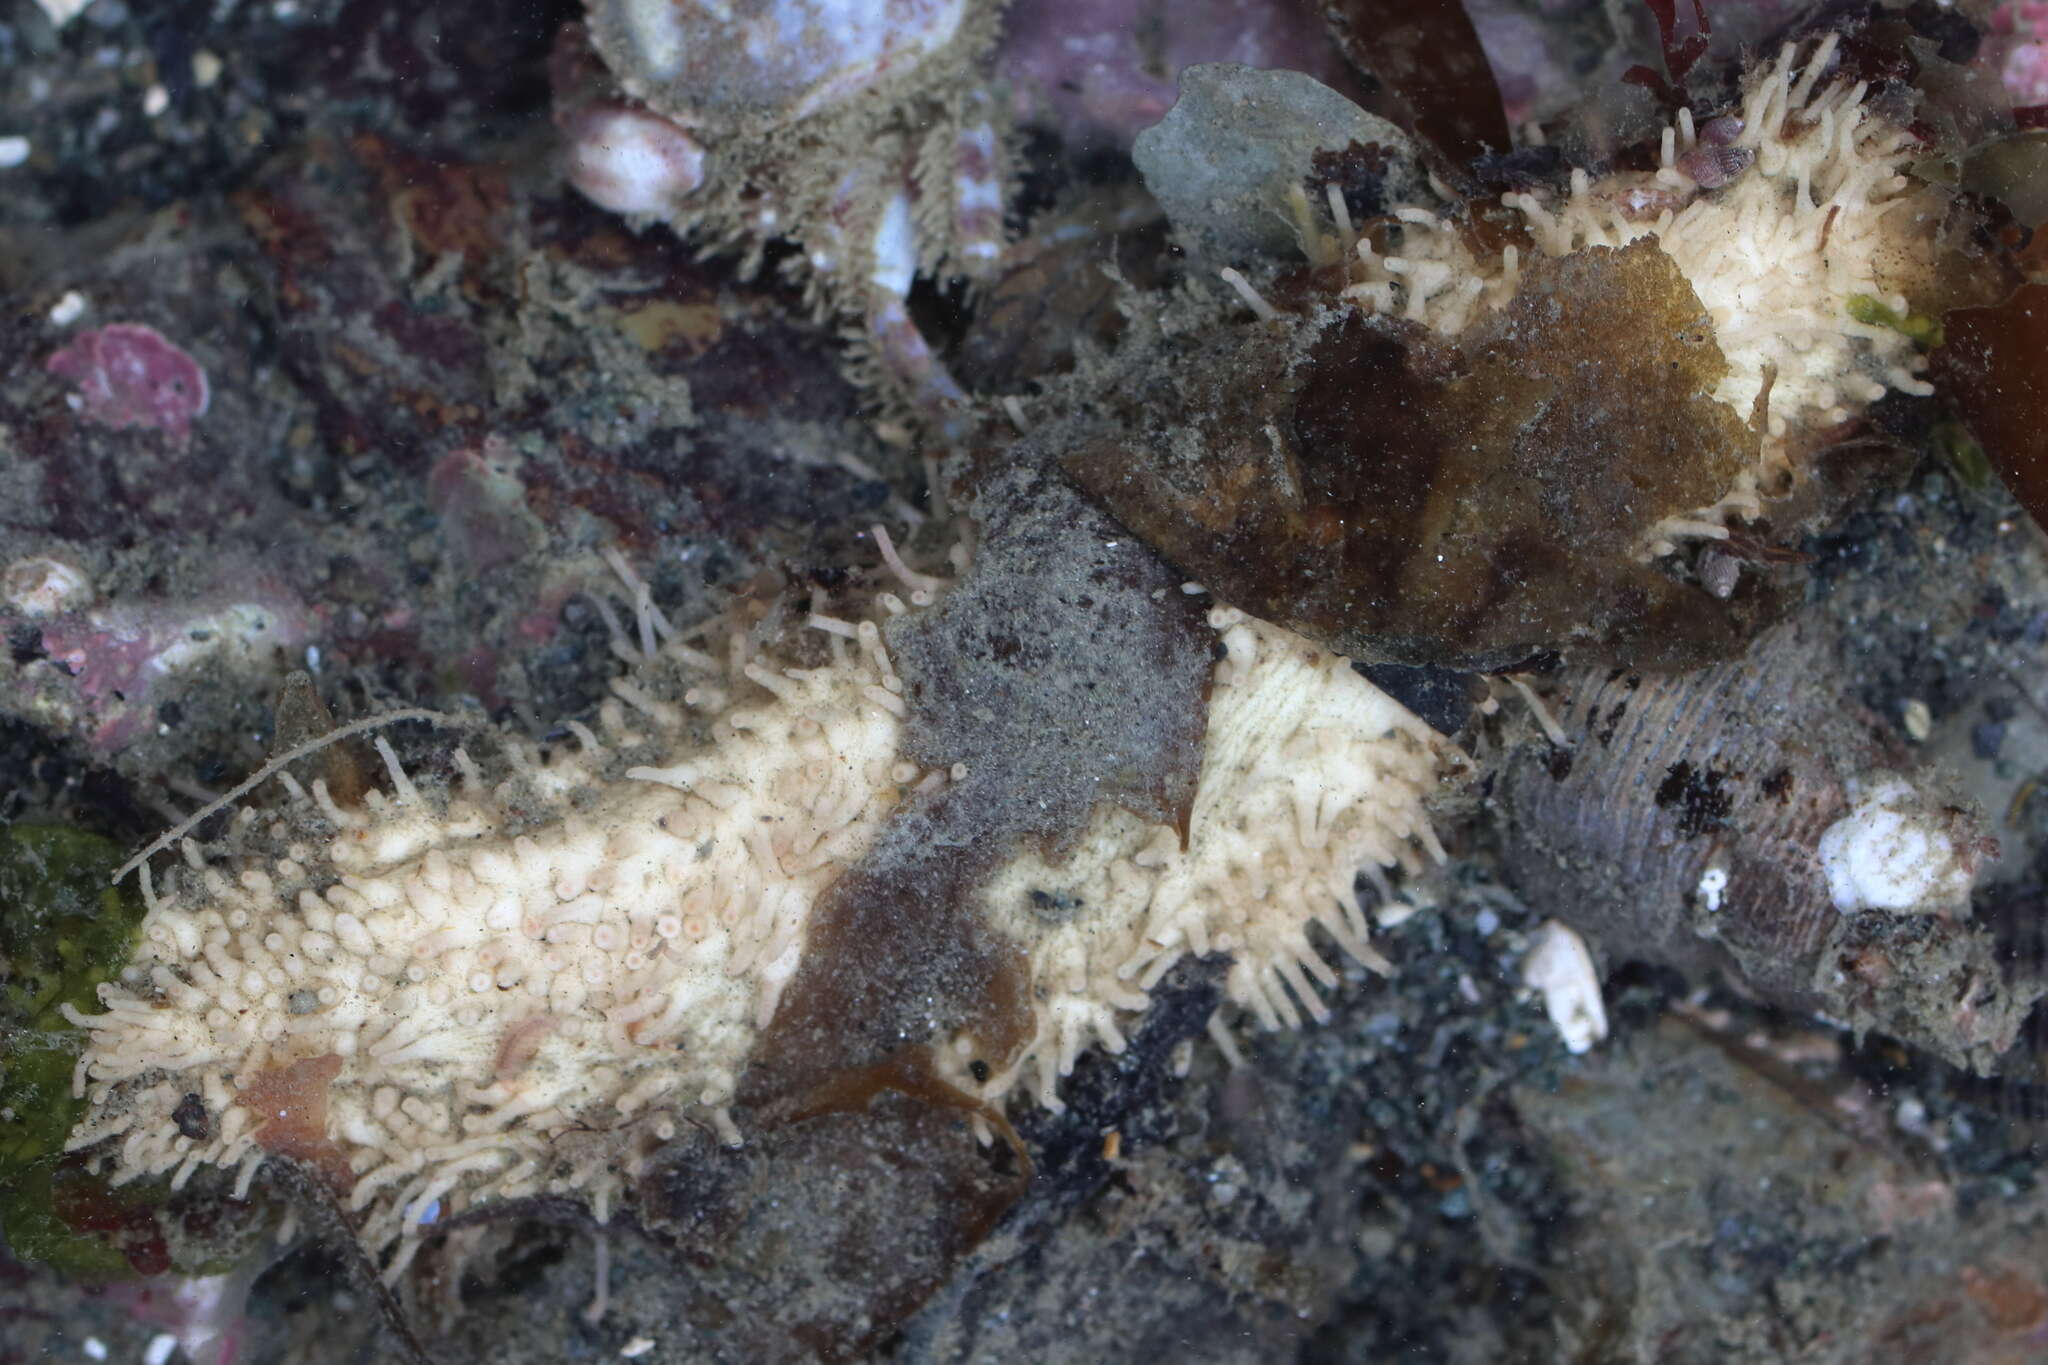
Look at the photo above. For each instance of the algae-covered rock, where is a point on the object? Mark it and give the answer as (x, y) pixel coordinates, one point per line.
(63, 930)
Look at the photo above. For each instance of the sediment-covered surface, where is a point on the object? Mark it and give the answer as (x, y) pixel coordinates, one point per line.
(316, 365)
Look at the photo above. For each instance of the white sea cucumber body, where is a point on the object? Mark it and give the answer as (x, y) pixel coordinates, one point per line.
(1310, 776)
(525, 988)
(1822, 215)
(592, 946)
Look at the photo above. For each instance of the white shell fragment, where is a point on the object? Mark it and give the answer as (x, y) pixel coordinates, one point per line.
(1713, 888)
(1559, 967)
(41, 586)
(768, 61)
(1892, 852)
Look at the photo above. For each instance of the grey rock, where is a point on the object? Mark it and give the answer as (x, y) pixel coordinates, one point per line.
(1223, 158)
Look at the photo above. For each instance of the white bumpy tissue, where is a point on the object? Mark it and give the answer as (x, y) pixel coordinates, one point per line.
(1892, 852)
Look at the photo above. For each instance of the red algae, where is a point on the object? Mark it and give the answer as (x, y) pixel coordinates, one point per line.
(86, 1205)
(1429, 55)
(129, 375)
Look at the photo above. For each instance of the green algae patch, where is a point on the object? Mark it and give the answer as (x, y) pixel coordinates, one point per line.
(63, 930)
(1962, 453)
(1917, 328)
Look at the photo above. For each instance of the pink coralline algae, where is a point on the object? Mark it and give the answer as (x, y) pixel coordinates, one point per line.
(482, 504)
(101, 673)
(2019, 49)
(129, 375)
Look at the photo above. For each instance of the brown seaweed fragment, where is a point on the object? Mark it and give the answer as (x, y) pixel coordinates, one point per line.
(1404, 498)
(290, 1101)
(894, 959)
(1993, 365)
(1430, 56)
(302, 716)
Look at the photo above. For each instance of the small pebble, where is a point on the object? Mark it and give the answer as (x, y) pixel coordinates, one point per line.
(14, 150)
(1918, 720)
(1987, 738)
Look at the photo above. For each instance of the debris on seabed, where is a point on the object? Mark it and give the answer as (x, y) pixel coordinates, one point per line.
(1559, 966)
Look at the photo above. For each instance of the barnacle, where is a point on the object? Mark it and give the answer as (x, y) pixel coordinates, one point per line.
(1747, 820)
(860, 130)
